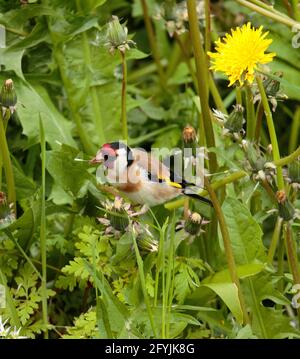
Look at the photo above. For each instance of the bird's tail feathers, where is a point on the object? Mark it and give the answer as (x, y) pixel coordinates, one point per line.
(193, 193)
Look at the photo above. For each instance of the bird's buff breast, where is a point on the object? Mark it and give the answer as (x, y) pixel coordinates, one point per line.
(149, 193)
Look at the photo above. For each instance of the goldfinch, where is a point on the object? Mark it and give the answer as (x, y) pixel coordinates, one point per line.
(140, 176)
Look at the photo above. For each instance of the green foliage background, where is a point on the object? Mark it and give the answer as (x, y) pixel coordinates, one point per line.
(99, 285)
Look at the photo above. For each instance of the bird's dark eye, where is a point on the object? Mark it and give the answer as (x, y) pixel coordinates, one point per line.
(105, 157)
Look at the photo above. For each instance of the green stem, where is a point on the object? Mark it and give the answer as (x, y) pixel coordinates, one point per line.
(202, 139)
(69, 225)
(142, 72)
(170, 275)
(259, 117)
(295, 131)
(150, 135)
(49, 266)
(275, 240)
(207, 26)
(238, 93)
(16, 31)
(97, 116)
(8, 170)
(60, 61)
(175, 58)
(153, 43)
(272, 15)
(5, 123)
(292, 256)
(99, 312)
(186, 58)
(228, 248)
(158, 268)
(6, 119)
(267, 7)
(280, 260)
(123, 101)
(1, 165)
(164, 302)
(143, 284)
(202, 77)
(11, 236)
(250, 113)
(84, 137)
(257, 308)
(216, 94)
(269, 191)
(292, 253)
(212, 86)
(288, 159)
(272, 132)
(43, 231)
(263, 5)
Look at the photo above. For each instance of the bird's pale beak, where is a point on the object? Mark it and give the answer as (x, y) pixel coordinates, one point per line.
(97, 159)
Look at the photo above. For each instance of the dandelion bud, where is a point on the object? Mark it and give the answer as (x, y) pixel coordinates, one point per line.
(286, 210)
(117, 36)
(235, 121)
(189, 135)
(294, 171)
(193, 223)
(273, 90)
(8, 96)
(169, 7)
(256, 158)
(272, 86)
(116, 33)
(118, 216)
(118, 221)
(147, 243)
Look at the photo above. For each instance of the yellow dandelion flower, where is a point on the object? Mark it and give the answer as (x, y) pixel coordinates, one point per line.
(239, 53)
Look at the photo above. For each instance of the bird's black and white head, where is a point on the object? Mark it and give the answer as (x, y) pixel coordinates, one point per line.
(114, 155)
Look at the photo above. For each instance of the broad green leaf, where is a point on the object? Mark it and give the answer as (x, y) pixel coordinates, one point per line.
(57, 128)
(228, 292)
(118, 313)
(59, 196)
(90, 5)
(25, 186)
(267, 322)
(246, 333)
(71, 175)
(38, 34)
(177, 321)
(245, 233)
(11, 60)
(243, 271)
(17, 18)
(35, 102)
(265, 288)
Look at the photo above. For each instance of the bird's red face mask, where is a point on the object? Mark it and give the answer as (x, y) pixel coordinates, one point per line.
(106, 155)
